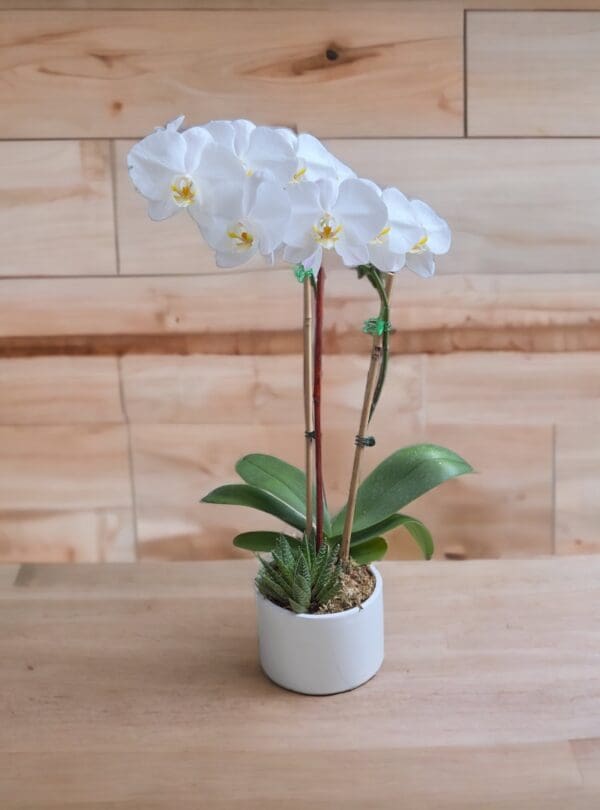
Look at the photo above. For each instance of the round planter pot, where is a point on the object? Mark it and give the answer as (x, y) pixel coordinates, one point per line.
(321, 654)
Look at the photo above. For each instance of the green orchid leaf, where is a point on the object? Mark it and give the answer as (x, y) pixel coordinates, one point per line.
(419, 532)
(283, 480)
(255, 498)
(377, 529)
(369, 551)
(259, 541)
(399, 479)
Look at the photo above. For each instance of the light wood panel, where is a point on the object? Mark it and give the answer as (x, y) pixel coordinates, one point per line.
(513, 388)
(483, 310)
(490, 682)
(264, 390)
(56, 207)
(533, 73)
(577, 488)
(65, 493)
(59, 390)
(504, 510)
(73, 74)
(514, 206)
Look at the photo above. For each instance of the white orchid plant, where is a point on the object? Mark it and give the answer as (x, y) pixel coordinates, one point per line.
(269, 192)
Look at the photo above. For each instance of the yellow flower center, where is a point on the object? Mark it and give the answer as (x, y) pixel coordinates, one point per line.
(381, 236)
(299, 175)
(326, 231)
(184, 191)
(242, 239)
(420, 246)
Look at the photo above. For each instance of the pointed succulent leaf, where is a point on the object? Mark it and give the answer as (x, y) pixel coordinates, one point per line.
(246, 495)
(399, 479)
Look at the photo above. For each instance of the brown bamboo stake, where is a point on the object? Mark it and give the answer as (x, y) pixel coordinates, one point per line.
(320, 489)
(376, 354)
(309, 422)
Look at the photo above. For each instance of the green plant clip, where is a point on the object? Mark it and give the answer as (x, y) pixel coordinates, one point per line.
(376, 326)
(301, 273)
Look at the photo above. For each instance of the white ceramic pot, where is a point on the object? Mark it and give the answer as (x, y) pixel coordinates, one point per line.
(321, 654)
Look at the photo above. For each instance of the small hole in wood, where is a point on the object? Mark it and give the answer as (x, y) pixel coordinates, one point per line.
(331, 54)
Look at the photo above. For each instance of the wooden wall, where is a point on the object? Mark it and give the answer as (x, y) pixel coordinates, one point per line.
(133, 373)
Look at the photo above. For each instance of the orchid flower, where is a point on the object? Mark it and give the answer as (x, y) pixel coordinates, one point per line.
(249, 219)
(402, 231)
(313, 161)
(175, 170)
(257, 148)
(326, 216)
(435, 240)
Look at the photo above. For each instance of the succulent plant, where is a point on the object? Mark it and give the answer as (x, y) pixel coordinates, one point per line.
(299, 577)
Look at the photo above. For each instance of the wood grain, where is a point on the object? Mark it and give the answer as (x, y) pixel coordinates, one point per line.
(533, 73)
(56, 207)
(65, 493)
(562, 311)
(492, 666)
(505, 510)
(120, 74)
(514, 206)
(577, 488)
(513, 388)
(263, 390)
(59, 391)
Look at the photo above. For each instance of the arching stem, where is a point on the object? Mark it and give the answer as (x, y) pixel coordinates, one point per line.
(373, 386)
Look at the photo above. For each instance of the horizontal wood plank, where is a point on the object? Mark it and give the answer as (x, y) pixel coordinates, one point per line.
(533, 73)
(110, 73)
(265, 390)
(513, 205)
(513, 387)
(65, 493)
(59, 390)
(56, 207)
(492, 666)
(504, 510)
(577, 488)
(233, 312)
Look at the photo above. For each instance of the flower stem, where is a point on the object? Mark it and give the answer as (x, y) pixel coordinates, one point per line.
(309, 423)
(372, 387)
(317, 406)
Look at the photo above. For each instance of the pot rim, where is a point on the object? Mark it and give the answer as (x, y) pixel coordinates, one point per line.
(331, 616)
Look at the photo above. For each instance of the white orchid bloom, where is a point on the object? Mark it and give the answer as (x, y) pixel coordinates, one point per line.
(313, 161)
(175, 170)
(328, 216)
(401, 233)
(247, 220)
(257, 148)
(435, 240)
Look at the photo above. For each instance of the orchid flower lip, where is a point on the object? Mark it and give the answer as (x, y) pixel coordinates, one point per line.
(420, 246)
(183, 190)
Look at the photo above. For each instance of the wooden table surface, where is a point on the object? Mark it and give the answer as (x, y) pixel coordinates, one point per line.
(126, 687)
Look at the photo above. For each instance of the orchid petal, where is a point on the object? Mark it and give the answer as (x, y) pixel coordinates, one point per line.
(351, 255)
(155, 160)
(269, 150)
(270, 212)
(361, 211)
(319, 161)
(438, 232)
(306, 210)
(162, 209)
(422, 264)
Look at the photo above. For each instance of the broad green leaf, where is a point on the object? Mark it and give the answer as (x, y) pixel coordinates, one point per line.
(283, 480)
(369, 551)
(399, 479)
(420, 534)
(376, 530)
(246, 495)
(258, 541)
